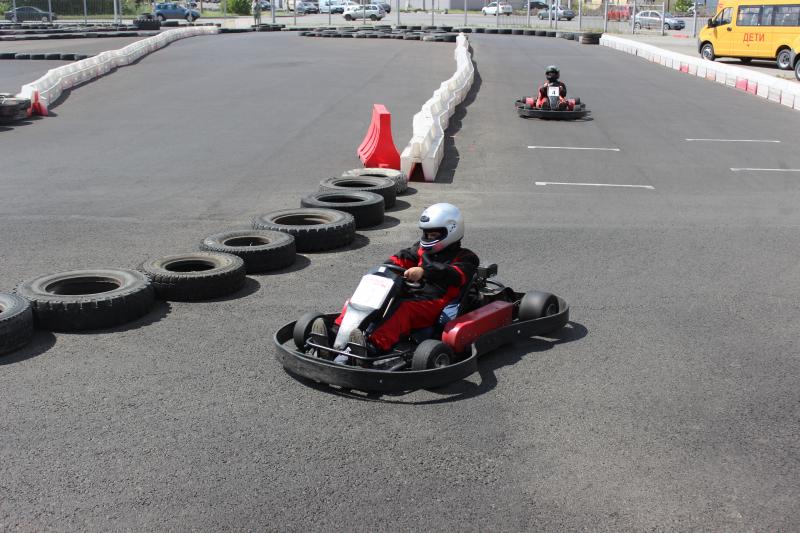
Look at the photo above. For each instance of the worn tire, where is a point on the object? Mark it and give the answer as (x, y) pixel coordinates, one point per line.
(261, 250)
(87, 299)
(379, 185)
(399, 178)
(195, 275)
(302, 328)
(537, 304)
(16, 322)
(366, 207)
(313, 229)
(431, 354)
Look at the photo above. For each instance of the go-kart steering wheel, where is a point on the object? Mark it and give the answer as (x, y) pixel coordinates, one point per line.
(401, 270)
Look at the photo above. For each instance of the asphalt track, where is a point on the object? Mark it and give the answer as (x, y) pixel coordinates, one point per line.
(670, 403)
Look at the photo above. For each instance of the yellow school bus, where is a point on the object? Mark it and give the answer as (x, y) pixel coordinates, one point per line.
(752, 29)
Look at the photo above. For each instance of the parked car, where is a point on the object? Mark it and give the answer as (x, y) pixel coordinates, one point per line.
(265, 5)
(652, 19)
(305, 7)
(536, 4)
(563, 14)
(619, 12)
(370, 11)
(383, 5)
(24, 13)
(492, 9)
(171, 10)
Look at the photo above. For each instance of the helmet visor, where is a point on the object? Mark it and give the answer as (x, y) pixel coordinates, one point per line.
(431, 236)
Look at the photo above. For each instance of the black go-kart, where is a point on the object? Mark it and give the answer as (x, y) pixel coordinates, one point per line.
(553, 109)
(486, 316)
(12, 108)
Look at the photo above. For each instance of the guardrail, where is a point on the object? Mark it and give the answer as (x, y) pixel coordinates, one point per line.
(775, 89)
(49, 87)
(426, 147)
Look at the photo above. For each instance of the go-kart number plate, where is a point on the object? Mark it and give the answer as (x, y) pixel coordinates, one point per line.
(553, 91)
(372, 291)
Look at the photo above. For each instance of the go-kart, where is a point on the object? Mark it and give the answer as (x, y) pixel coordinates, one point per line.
(553, 109)
(485, 316)
(12, 108)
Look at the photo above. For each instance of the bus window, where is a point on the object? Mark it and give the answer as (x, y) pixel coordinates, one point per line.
(724, 17)
(787, 16)
(766, 15)
(748, 16)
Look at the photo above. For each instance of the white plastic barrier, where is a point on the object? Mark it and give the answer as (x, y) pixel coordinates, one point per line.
(50, 86)
(426, 147)
(778, 90)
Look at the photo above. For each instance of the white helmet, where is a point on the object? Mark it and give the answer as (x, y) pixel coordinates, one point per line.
(441, 225)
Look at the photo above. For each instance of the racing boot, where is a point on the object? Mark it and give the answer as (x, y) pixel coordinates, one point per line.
(319, 335)
(359, 345)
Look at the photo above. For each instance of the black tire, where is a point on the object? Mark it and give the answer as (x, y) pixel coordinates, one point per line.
(87, 299)
(383, 186)
(302, 328)
(195, 275)
(745, 60)
(22, 56)
(366, 207)
(261, 250)
(431, 354)
(536, 304)
(577, 101)
(52, 56)
(16, 322)
(399, 178)
(637, 26)
(313, 229)
(707, 52)
(348, 17)
(782, 60)
(161, 18)
(797, 69)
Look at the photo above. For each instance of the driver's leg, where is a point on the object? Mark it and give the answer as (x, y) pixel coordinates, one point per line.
(409, 315)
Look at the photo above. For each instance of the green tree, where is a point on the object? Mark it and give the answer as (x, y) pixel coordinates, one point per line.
(682, 6)
(240, 7)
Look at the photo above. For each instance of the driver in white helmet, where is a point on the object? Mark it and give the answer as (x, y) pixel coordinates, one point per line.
(440, 263)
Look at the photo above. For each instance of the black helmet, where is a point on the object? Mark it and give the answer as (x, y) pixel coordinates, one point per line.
(552, 73)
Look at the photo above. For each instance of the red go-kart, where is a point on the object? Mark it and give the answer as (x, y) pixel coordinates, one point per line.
(486, 316)
(553, 108)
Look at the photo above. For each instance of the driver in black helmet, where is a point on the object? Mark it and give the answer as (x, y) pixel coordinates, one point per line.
(543, 102)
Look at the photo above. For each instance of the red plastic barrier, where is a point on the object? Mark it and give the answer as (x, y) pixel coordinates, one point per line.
(741, 83)
(37, 106)
(463, 331)
(377, 150)
(752, 87)
(684, 67)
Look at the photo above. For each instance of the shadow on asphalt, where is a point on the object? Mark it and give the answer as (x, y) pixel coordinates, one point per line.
(388, 222)
(447, 169)
(300, 262)
(463, 390)
(250, 286)
(42, 341)
(399, 205)
(159, 311)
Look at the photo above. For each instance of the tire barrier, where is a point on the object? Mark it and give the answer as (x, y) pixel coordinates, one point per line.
(777, 90)
(376, 184)
(314, 230)
(400, 179)
(16, 323)
(195, 276)
(366, 207)
(87, 299)
(426, 147)
(12, 108)
(50, 86)
(377, 149)
(261, 250)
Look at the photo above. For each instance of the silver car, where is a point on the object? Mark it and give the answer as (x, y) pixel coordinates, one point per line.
(652, 20)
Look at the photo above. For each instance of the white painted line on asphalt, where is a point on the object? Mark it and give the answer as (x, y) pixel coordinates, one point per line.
(765, 169)
(572, 148)
(736, 140)
(595, 184)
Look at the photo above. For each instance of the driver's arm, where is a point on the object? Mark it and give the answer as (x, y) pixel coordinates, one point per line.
(563, 90)
(457, 272)
(406, 258)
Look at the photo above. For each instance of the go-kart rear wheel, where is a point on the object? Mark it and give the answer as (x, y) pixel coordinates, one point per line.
(536, 304)
(302, 328)
(431, 354)
(577, 102)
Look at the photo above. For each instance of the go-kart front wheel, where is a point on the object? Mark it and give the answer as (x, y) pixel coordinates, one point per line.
(302, 328)
(536, 304)
(431, 354)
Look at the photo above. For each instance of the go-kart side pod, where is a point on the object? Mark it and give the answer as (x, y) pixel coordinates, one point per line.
(366, 379)
(526, 110)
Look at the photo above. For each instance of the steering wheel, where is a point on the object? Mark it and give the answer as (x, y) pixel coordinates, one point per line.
(401, 270)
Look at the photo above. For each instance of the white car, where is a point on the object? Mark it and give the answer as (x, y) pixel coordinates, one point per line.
(371, 12)
(491, 9)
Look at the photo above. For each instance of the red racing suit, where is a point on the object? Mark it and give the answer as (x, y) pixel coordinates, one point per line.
(542, 100)
(446, 274)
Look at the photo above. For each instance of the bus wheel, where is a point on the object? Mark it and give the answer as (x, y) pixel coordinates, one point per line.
(783, 59)
(707, 52)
